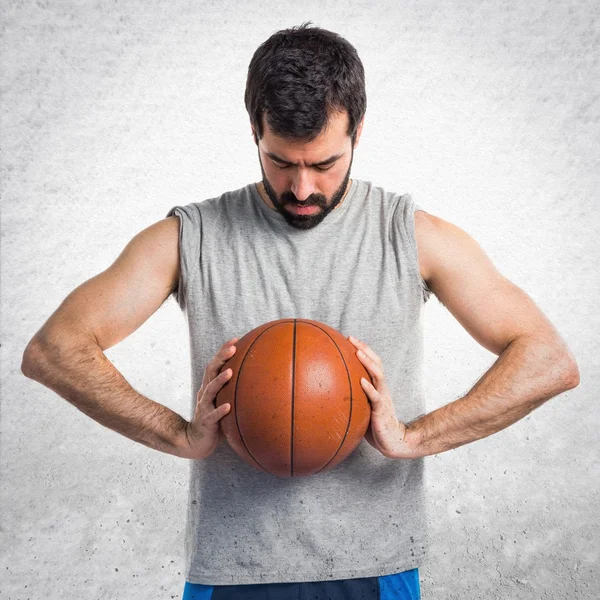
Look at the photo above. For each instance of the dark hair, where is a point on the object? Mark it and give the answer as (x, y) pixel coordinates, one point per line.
(299, 76)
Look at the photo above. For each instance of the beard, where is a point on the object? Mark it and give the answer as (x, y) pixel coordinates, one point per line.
(288, 197)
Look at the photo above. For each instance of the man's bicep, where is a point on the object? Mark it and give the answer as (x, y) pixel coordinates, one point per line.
(490, 307)
(113, 304)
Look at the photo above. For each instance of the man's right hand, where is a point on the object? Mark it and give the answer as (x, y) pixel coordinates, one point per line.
(202, 432)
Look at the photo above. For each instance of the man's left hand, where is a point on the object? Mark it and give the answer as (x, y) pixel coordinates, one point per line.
(385, 433)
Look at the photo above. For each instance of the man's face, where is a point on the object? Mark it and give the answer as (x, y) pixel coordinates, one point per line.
(305, 181)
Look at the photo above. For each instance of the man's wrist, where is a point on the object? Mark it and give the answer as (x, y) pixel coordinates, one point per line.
(411, 444)
(180, 445)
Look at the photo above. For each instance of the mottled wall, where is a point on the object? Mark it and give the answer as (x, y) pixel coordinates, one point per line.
(112, 112)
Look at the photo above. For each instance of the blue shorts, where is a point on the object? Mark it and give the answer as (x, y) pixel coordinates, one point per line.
(400, 586)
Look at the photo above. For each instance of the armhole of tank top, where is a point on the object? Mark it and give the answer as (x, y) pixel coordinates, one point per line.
(412, 242)
(179, 293)
(185, 273)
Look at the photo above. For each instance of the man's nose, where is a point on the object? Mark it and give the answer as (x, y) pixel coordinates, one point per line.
(303, 185)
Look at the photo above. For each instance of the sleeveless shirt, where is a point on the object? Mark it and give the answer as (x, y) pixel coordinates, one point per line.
(242, 265)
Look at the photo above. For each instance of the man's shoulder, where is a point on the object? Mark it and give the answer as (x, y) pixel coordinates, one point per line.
(225, 203)
(436, 239)
(392, 201)
(228, 195)
(371, 187)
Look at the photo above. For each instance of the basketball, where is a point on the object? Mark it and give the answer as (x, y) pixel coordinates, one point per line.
(297, 406)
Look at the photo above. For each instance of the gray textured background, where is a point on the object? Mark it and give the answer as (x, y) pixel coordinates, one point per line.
(113, 112)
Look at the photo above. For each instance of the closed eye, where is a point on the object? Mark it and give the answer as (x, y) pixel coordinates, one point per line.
(321, 169)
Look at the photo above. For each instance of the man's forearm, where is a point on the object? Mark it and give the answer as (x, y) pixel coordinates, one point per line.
(81, 373)
(526, 374)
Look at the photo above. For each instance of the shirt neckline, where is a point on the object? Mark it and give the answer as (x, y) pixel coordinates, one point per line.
(334, 216)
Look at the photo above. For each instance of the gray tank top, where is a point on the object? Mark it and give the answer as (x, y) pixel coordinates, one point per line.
(242, 265)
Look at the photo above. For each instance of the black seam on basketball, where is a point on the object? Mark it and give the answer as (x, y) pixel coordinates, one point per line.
(293, 398)
(351, 397)
(236, 387)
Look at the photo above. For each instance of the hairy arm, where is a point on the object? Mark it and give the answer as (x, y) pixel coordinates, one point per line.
(67, 353)
(534, 363)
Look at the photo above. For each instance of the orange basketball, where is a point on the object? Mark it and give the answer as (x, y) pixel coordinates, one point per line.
(297, 406)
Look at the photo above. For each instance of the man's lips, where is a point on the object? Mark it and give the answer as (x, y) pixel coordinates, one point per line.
(303, 210)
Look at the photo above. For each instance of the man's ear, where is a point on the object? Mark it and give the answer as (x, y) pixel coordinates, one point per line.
(359, 131)
(254, 135)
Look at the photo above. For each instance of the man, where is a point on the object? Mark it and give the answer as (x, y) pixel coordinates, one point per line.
(306, 242)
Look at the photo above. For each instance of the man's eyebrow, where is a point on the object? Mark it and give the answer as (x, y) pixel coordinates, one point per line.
(331, 159)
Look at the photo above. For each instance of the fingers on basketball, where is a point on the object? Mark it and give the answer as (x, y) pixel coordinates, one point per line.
(207, 395)
(215, 415)
(211, 372)
(226, 351)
